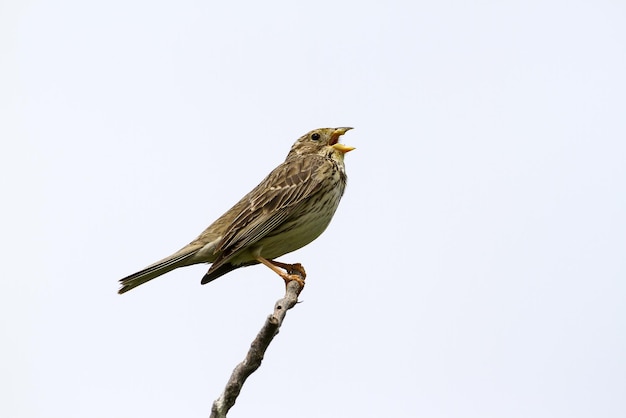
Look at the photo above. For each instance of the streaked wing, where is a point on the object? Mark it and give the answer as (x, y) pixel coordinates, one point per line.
(271, 202)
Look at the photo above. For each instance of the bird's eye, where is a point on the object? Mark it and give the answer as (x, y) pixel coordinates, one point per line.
(315, 136)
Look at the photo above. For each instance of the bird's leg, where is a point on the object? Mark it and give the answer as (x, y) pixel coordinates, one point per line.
(293, 271)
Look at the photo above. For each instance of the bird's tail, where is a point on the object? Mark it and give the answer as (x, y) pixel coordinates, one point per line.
(179, 259)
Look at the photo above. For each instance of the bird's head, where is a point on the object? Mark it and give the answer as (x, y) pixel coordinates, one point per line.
(323, 141)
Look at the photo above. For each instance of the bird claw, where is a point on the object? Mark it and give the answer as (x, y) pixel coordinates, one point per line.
(295, 272)
(297, 269)
(288, 278)
(292, 272)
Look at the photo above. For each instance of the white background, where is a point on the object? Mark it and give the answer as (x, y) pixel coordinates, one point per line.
(475, 268)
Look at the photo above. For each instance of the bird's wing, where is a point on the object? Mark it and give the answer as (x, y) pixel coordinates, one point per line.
(270, 203)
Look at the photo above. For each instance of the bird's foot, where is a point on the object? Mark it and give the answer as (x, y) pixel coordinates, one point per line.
(293, 272)
(292, 269)
(288, 278)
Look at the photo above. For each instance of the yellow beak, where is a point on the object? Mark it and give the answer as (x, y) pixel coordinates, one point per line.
(343, 148)
(335, 137)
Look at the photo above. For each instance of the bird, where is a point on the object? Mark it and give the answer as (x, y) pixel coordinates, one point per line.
(289, 209)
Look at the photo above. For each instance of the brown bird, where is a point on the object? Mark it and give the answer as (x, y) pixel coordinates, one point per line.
(291, 207)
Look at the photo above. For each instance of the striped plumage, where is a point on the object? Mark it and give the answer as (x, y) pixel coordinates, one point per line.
(291, 207)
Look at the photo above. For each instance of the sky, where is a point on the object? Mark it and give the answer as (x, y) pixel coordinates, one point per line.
(475, 266)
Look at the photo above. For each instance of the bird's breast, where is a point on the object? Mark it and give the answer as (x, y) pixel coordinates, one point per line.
(305, 224)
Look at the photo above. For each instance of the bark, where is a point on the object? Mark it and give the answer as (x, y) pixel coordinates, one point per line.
(253, 359)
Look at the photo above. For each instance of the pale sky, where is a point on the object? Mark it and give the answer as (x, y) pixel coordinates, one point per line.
(475, 267)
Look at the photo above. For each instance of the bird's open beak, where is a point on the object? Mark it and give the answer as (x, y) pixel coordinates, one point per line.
(334, 138)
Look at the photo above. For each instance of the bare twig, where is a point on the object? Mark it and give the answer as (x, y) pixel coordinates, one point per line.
(257, 350)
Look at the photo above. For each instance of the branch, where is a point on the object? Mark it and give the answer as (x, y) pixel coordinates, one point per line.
(257, 350)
